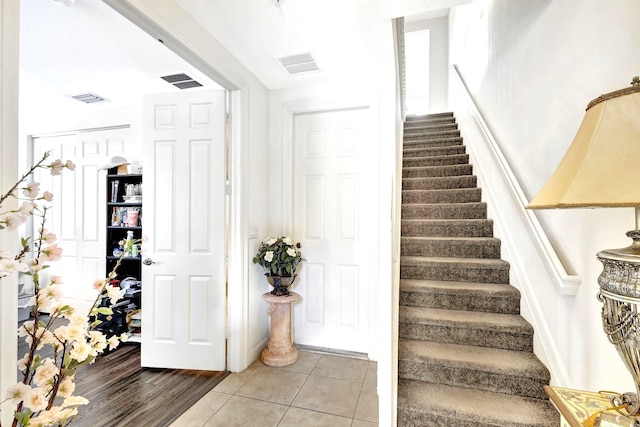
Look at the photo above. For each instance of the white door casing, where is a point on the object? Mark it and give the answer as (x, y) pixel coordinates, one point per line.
(334, 217)
(183, 296)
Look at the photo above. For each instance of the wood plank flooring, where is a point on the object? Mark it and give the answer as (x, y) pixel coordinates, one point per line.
(121, 393)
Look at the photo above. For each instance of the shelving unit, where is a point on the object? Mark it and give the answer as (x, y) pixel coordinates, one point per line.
(124, 219)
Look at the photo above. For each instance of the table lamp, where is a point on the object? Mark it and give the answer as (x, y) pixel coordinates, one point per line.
(602, 169)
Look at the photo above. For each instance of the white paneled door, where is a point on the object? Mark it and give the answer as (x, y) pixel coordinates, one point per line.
(334, 218)
(183, 301)
(77, 215)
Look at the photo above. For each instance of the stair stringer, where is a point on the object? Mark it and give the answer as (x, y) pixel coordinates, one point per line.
(538, 281)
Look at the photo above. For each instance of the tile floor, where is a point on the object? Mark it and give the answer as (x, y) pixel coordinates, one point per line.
(319, 390)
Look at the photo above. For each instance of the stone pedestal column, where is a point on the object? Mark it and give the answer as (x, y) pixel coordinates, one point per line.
(280, 350)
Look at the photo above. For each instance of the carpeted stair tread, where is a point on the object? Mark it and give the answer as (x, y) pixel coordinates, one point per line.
(447, 227)
(433, 143)
(520, 363)
(435, 405)
(439, 142)
(472, 319)
(431, 135)
(473, 296)
(440, 183)
(433, 151)
(484, 270)
(497, 330)
(425, 128)
(462, 247)
(455, 195)
(482, 368)
(436, 171)
(445, 210)
(454, 159)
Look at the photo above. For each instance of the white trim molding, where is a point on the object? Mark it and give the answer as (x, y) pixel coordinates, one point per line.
(9, 48)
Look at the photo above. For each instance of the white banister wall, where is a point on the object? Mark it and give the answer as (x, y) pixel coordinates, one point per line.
(537, 277)
(530, 69)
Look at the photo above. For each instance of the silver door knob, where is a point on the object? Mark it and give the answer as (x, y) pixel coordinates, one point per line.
(148, 261)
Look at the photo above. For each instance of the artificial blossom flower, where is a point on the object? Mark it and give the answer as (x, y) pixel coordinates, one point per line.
(287, 240)
(291, 252)
(80, 351)
(31, 190)
(18, 392)
(51, 253)
(47, 196)
(37, 400)
(268, 256)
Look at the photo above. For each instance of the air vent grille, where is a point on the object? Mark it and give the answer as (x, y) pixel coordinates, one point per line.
(88, 98)
(181, 81)
(298, 63)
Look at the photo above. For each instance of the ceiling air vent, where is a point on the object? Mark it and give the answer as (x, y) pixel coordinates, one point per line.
(300, 63)
(88, 98)
(181, 81)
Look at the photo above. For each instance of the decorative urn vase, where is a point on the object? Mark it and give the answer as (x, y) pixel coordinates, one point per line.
(280, 284)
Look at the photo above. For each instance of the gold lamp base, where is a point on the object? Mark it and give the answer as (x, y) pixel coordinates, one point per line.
(620, 296)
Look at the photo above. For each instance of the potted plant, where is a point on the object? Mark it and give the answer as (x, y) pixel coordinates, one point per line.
(279, 257)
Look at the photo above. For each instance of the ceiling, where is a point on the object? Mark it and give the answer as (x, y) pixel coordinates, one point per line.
(88, 47)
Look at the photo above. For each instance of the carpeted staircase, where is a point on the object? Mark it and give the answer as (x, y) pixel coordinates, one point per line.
(465, 354)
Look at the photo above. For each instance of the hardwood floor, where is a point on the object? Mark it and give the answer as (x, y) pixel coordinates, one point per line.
(121, 393)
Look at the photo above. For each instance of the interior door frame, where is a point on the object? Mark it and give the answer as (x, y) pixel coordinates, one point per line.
(237, 228)
(289, 111)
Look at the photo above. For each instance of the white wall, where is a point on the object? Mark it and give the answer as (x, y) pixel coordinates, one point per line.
(532, 67)
(438, 61)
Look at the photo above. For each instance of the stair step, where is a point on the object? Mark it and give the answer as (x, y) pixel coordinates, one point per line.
(460, 247)
(471, 296)
(436, 171)
(479, 270)
(490, 369)
(432, 143)
(455, 195)
(445, 211)
(431, 135)
(455, 159)
(496, 330)
(426, 122)
(433, 151)
(426, 128)
(447, 227)
(436, 405)
(430, 116)
(440, 182)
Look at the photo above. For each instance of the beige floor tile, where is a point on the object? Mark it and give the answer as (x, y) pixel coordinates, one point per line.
(231, 384)
(305, 363)
(361, 423)
(367, 408)
(243, 412)
(329, 395)
(203, 409)
(296, 417)
(341, 368)
(273, 385)
(372, 373)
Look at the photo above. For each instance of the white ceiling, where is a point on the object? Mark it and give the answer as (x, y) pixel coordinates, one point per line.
(89, 47)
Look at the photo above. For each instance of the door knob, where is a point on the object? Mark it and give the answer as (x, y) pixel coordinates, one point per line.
(148, 261)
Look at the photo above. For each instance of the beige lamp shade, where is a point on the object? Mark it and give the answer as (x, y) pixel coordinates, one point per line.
(602, 166)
